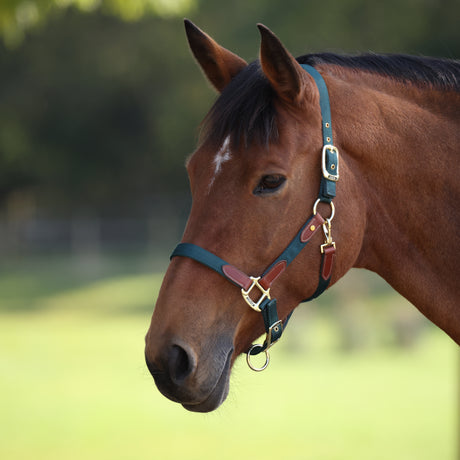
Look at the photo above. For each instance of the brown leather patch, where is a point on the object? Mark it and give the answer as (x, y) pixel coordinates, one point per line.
(237, 276)
(313, 226)
(328, 262)
(271, 276)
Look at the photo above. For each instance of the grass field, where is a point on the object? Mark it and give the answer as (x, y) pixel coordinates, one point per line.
(73, 383)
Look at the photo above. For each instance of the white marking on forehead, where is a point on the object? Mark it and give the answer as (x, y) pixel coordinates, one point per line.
(223, 154)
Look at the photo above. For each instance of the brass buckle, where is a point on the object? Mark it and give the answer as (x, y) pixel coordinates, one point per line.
(326, 173)
(326, 245)
(275, 327)
(255, 305)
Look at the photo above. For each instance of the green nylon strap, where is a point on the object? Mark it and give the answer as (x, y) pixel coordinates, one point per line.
(201, 255)
(273, 326)
(322, 283)
(327, 187)
(214, 262)
(270, 316)
(323, 102)
(293, 249)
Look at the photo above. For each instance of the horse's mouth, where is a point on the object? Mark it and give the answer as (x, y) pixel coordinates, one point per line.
(200, 392)
(218, 394)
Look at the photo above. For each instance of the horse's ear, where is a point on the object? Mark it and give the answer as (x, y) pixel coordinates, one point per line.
(284, 73)
(219, 64)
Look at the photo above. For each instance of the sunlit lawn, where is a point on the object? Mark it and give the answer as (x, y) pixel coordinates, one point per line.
(73, 385)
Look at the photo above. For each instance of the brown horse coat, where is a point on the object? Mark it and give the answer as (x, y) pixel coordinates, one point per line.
(397, 201)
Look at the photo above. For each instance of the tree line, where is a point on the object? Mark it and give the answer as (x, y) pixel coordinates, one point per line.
(99, 107)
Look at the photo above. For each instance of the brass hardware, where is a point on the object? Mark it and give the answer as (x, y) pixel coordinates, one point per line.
(328, 139)
(326, 173)
(326, 245)
(327, 125)
(312, 228)
(329, 219)
(275, 327)
(248, 360)
(255, 305)
(333, 166)
(327, 230)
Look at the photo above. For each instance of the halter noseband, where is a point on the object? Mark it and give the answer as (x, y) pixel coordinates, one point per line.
(256, 290)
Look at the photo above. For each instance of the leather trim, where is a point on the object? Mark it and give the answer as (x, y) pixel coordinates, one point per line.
(328, 262)
(273, 274)
(312, 227)
(237, 276)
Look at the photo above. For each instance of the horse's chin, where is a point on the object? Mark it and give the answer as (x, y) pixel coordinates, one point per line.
(213, 401)
(197, 394)
(218, 394)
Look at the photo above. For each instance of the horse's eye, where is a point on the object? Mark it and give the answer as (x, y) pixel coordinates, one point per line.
(269, 184)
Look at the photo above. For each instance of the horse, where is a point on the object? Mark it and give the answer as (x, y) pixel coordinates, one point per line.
(377, 135)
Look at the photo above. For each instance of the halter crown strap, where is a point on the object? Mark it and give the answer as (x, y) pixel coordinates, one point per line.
(330, 154)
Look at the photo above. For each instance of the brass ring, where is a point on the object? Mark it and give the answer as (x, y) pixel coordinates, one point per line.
(328, 219)
(248, 359)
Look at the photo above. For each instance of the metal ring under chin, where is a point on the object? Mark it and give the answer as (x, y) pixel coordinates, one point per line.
(248, 359)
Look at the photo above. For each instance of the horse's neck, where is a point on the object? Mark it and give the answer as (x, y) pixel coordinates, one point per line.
(401, 142)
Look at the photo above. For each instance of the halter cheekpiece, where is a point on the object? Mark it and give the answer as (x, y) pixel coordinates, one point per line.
(256, 290)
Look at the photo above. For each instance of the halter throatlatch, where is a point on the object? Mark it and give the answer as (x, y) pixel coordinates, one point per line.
(256, 290)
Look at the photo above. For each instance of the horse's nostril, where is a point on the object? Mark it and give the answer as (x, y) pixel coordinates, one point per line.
(181, 364)
(171, 368)
(154, 370)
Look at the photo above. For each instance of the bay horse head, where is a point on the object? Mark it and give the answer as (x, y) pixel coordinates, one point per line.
(259, 230)
(254, 180)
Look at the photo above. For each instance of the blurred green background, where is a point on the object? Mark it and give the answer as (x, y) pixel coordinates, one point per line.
(100, 103)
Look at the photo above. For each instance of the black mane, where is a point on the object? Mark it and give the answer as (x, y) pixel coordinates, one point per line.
(440, 73)
(245, 110)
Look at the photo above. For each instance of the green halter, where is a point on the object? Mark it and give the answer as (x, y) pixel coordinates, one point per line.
(248, 284)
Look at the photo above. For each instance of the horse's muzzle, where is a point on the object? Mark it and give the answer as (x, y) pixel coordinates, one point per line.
(200, 385)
